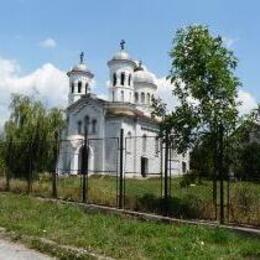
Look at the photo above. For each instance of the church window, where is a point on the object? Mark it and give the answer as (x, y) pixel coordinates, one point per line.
(136, 97)
(184, 167)
(86, 88)
(122, 96)
(148, 98)
(113, 95)
(94, 126)
(142, 98)
(114, 79)
(144, 144)
(129, 142)
(129, 80)
(79, 127)
(130, 96)
(72, 88)
(156, 145)
(122, 78)
(86, 124)
(79, 86)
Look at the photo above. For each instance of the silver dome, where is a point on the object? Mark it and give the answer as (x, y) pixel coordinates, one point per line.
(144, 76)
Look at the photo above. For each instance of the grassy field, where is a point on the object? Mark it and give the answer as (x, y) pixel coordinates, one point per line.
(193, 201)
(122, 238)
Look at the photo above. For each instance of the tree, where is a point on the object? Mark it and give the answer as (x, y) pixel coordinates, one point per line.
(29, 136)
(206, 87)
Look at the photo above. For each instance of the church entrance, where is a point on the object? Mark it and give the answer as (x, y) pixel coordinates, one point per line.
(90, 160)
(144, 166)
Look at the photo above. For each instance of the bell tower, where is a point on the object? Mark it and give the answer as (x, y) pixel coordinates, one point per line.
(121, 68)
(80, 78)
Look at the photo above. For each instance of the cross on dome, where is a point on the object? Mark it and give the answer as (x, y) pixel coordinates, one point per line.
(81, 57)
(122, 44)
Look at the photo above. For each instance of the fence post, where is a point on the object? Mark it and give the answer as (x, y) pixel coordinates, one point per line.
(166, 174)
(221, 175)
(29, 188)
(121, 157)
(84, 165)
(54, 174)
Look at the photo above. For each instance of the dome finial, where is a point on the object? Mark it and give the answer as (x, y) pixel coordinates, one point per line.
(122, 44)
(81, 57)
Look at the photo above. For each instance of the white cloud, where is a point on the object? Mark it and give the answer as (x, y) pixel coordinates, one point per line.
(48, 43)
(164, 91)
(48, 82)
(247, 100)
(228, 41)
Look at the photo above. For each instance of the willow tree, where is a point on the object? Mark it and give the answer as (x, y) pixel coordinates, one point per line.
(29, 136)
(203, 74)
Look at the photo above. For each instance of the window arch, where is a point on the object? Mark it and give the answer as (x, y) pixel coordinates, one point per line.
(79, 86)
(114, 79)
(113, 96)
(94, 126)
(129, 79)
(148, 98)
(129, 142)
(142, 98)
(79, 127)
(72, 87)
(144, 143)
(122, 96)
(86, 123)
(86, 88)
(136, 97)
(122, 78)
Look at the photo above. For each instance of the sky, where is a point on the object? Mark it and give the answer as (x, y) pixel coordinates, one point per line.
(41, 40)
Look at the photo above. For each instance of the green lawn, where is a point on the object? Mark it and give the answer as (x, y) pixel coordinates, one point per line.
(121, 237)
(195, 201)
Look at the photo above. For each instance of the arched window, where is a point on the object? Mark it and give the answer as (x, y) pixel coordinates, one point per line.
(129, 142)
(86, 124)
(114, 79)
(79, 127)
(79, 86)
(72, 88)
(113, 96)
(86, 88)
(157, 145)
(94, 126)
(136, 97)
(148, 98)
(142, 98)
(122, 96)
(184, 167)
(122, 78)
(129, 80)
(144, 144)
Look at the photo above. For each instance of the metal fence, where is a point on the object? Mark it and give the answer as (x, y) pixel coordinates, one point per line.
(140, 173)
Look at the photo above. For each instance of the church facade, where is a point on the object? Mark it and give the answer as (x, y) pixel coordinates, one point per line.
(128, 108)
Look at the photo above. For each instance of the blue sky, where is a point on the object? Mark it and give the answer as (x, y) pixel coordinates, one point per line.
(148, 26)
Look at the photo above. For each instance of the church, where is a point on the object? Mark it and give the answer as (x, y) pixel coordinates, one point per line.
(128, 109)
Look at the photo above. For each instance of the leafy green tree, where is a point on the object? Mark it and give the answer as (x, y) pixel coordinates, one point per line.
(205, 84)
(29, 136)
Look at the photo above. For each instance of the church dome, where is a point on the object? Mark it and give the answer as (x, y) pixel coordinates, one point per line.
(80, 67)
(143, 76)
(121, 55)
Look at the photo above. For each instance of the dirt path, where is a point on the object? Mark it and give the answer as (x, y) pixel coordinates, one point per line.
(16, 251)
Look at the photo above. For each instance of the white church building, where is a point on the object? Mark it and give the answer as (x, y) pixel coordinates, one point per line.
(131, 90)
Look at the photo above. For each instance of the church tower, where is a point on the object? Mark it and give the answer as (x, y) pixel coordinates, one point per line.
(79, 80)
(121, 67)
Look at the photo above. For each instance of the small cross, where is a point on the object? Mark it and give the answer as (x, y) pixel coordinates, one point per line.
(81, 57)
(122, 44)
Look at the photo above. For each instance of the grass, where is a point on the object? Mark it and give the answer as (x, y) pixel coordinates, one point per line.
(122, 238)
(194, 201)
